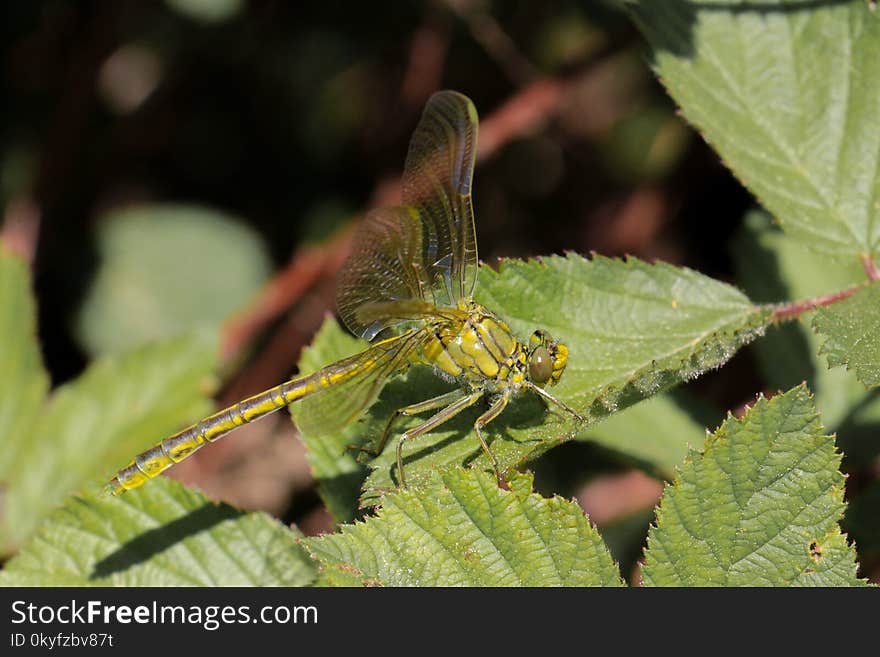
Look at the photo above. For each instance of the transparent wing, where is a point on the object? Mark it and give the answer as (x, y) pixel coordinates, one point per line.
(437, 183)
(352, 384)
(384, 267)
(427, 251)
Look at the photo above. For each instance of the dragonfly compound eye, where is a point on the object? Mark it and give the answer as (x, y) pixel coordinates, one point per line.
(540, 365)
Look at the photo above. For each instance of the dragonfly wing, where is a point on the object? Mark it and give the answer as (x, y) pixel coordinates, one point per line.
(425, 252)
(437, 183)
(352, 384)
(384, 267)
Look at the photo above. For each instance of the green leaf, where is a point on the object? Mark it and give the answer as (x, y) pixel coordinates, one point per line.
(632, 330)
(760, 505)
(852, 331)
(656, 432)
(165, 270)
(159, 535)
(645, 145)
(23, 381)
(95, 424)
(462, 530)
(338, 474)
(787, 92)
(774, 269)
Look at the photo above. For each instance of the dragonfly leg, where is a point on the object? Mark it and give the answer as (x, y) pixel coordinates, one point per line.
(453, 409)
(546, 395)
(439, 401)
(493, 412)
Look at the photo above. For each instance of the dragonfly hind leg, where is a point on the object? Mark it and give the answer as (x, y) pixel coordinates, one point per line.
(439, 401)
(462, 401)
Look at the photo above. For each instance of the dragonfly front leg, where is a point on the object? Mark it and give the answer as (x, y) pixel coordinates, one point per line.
(468, 399)
(550, 398)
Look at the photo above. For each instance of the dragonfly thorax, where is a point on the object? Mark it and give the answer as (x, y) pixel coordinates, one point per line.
(481, 351)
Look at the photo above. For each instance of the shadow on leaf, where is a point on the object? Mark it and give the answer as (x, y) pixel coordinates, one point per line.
(858, 435)
(155, 541)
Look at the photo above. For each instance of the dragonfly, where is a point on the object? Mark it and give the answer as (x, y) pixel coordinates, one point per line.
(408, 289)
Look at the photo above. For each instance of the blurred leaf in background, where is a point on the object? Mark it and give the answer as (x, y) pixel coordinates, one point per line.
(657, 432)
(207, 11)
(54, 444)
(166, 269)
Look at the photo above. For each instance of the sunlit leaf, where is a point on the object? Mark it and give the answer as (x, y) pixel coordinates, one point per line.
(852, 331)
(787, 92)
(758, 506)
(160, 535)
(462, 530)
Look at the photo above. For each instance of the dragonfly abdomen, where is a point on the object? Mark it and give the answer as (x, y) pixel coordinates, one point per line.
(183, 444)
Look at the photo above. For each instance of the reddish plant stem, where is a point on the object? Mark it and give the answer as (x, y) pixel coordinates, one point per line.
(307, 266)
(522, 113)
(798, 308)
(424, 70)
(870, 267)
(495, 41)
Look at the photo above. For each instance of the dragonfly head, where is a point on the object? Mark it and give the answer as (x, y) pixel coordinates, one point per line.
(547, 358)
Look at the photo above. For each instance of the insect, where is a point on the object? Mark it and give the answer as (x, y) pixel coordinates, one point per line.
(407, 287)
